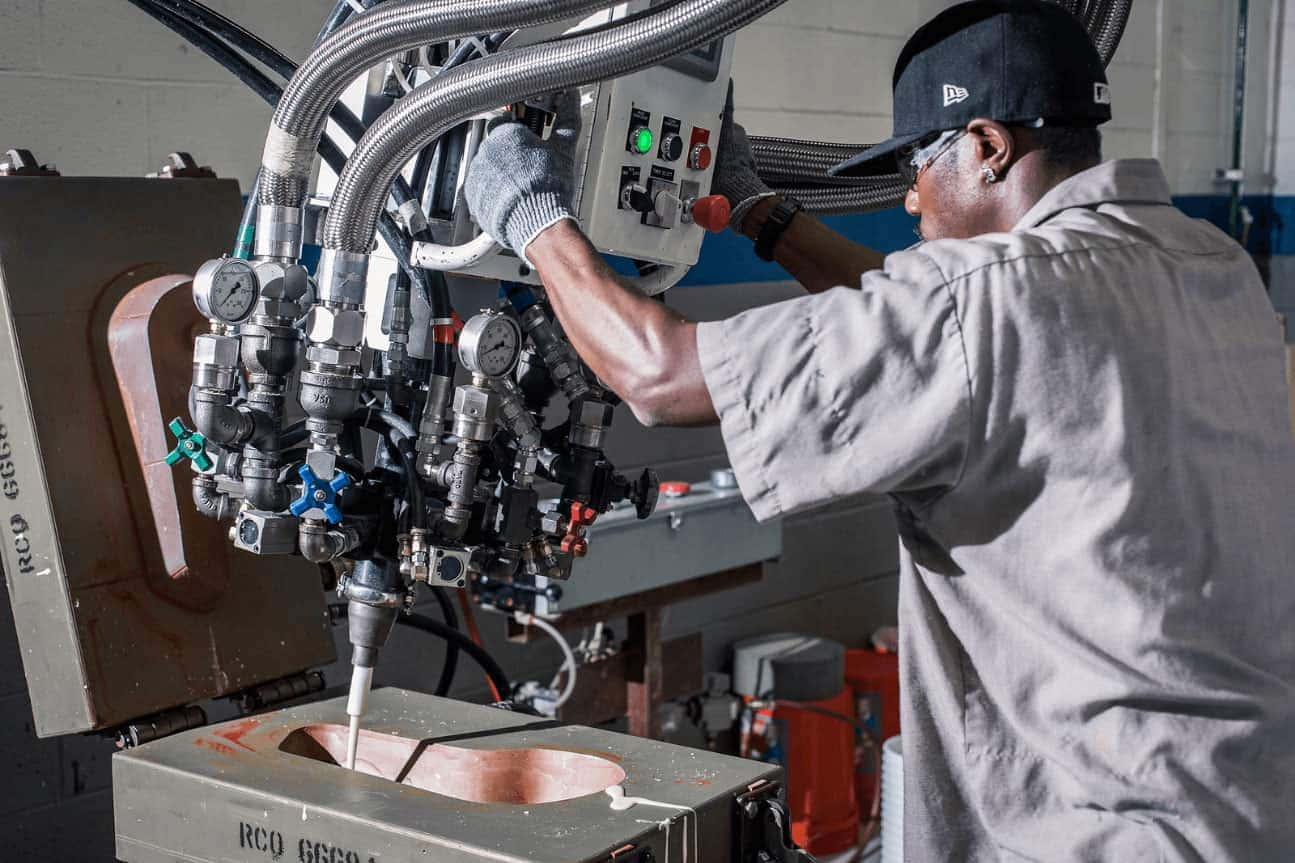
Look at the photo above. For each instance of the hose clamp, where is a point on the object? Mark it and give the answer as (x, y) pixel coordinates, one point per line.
(356, 592)
(279, 232)
(342, 277)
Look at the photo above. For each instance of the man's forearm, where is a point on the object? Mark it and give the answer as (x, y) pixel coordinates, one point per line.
(818, 257)
(641, 348)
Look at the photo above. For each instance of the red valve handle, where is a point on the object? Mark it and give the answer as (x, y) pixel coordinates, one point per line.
(712, 212)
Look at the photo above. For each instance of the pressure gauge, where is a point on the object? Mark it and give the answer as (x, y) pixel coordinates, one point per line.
(490, 344)
(226, 289)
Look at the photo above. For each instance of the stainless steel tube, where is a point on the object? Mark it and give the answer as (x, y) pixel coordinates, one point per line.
(302, 112)
(431, 109)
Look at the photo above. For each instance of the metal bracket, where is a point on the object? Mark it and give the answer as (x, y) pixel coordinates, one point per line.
(21, 163)
(762, 827)
(182, 166)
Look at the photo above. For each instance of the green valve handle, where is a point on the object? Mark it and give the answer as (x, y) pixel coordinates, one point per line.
(192, 445)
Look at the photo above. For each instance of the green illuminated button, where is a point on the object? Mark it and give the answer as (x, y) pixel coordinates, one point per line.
(642, 141)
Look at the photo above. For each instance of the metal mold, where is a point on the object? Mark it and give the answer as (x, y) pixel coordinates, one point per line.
(255, 788)
(119, 612)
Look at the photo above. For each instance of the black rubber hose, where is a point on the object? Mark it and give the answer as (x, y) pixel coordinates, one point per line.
(467, 645)
(340, 15)
(260, 84)
(451, 665)
(256, 47)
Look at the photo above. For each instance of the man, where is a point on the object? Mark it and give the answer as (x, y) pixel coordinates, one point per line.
(1075, 396)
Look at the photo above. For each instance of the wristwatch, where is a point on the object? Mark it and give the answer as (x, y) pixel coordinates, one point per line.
(775, 226)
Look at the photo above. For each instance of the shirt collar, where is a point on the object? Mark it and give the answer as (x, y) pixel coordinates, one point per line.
(1125, 181)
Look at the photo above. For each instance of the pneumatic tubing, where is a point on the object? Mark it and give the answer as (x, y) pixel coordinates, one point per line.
(431, 109)
(301, 115)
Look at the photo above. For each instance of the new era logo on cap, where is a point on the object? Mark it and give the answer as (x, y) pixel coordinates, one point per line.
(1102, 93)
(954, 94)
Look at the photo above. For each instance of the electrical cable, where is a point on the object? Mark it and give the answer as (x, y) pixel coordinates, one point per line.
(451, 665)
(494, 673)
(465, 605)
(568, 664)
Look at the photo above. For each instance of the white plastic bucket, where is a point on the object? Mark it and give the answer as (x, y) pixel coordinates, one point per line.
(892, 801)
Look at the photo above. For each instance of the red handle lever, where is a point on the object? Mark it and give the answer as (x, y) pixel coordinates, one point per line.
(712, 212)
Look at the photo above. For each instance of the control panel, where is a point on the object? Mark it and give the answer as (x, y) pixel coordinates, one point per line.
(645, 161)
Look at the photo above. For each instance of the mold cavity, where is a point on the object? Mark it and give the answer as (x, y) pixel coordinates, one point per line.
(520, 776)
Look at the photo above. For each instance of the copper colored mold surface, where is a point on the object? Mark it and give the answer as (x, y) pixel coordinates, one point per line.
(517, 776)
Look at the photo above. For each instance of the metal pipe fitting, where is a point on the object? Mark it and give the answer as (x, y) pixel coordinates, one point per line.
(319, 543)
(279, 233)
(440, 389)
(342, 277)
(516, 418)
(556, 353)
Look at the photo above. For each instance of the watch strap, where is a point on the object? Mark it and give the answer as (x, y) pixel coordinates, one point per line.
(775, 226)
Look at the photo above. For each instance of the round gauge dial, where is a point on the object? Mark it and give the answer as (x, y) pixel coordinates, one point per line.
(226, 290)
(490, 344)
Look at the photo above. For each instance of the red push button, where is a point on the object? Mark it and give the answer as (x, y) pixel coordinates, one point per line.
(701, 157)
(712, 212)
(675, 489)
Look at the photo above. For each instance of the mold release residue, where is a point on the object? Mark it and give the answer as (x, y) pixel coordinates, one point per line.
(622, 803)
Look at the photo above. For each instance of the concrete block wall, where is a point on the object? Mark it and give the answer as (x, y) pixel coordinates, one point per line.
(100, 89)
(1280, 159)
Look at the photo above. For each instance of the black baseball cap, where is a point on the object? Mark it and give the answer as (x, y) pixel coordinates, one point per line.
(1014, 61)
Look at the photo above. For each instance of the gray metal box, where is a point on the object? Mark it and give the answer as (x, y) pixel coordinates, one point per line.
(679, 542)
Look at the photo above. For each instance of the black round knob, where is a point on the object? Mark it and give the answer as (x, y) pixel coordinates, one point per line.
(671, 147)
(635, 197)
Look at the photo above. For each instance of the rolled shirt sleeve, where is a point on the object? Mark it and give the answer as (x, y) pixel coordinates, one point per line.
(845, 392)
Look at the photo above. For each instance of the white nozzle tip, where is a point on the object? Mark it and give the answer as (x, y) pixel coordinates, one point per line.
(353, 743)
(361, 682)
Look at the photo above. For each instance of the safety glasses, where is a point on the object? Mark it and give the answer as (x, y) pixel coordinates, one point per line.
(912, 160)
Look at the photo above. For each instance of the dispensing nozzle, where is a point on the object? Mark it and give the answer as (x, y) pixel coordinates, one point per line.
(356, 705)
(369, 628)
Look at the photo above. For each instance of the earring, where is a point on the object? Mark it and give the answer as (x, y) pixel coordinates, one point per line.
(991, 176)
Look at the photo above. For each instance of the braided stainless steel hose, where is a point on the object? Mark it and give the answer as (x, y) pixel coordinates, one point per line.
(300, 116)
(1105, 21)
(428, 111)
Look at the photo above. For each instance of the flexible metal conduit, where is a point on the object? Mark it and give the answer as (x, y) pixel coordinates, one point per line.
(300, 116)
(799, 168)
(431, 109)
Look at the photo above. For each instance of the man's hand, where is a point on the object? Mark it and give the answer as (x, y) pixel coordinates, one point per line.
(735, 174)
(520, 184)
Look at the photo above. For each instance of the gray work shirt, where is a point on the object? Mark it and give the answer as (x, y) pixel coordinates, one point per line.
(1084, 425)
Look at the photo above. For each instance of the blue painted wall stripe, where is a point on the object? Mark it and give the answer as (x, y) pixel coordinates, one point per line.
(727, 258)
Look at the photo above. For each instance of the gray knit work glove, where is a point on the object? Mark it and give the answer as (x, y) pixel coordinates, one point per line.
(520, 184)
(735, 174)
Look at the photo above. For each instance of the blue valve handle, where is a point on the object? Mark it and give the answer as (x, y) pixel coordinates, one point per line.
(318, 494)
(190, 445)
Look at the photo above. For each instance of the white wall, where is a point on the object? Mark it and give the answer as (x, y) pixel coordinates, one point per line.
(98, 88)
